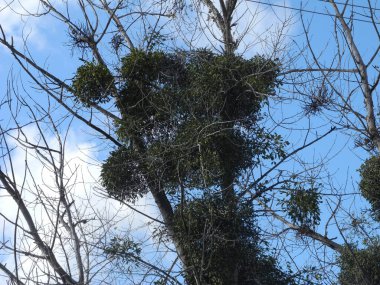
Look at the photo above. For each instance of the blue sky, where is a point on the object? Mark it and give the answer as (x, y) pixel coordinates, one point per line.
(47, 42)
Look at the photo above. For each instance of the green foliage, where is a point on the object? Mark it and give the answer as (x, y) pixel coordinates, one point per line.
(123, 249)
(205, 157)
(189, 121)
(191, 117)
(229, 87)
(148, 100)
(303, 206)
(370, 183)
(222, 243)
(92, 84)
(360, 266)
(120, 175)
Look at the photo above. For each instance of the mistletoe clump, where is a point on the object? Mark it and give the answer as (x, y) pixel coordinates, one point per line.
(188, 123)
(149, 95)
(303, 206)
(223, 244)
(122, 249)
(122, 177)
(360, 266)
(370, 183)
(93, 84)
(230, 88)
(188, 118)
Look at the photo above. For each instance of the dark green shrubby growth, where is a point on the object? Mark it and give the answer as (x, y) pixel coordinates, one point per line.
(120, 174)
(303, 207)
(370, 183)
(123, 253)
(189, 121)
(360, 266)
(229, 88)
(223, 244)
(122, 248)
(93, 84)
(191, 117)
(301, 203)
(149, 96)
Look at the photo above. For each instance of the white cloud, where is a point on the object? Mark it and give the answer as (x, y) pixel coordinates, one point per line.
(264, 28)
(104, 216)
(20, 20)
(15, 18)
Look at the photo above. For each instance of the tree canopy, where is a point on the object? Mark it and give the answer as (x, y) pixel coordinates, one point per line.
(211, 144)
(190, 127)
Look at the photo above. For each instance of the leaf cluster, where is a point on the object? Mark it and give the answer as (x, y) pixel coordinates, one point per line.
(189, 121)
(93, 84)
(223, 244)
(370, 183)
(302, 205)
(123, 249)
(190, 118)
(360, 266)
(121, 175)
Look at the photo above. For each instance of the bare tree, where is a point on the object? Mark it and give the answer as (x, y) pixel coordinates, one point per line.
(337, 83)
(346, 79)
(55, 230)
